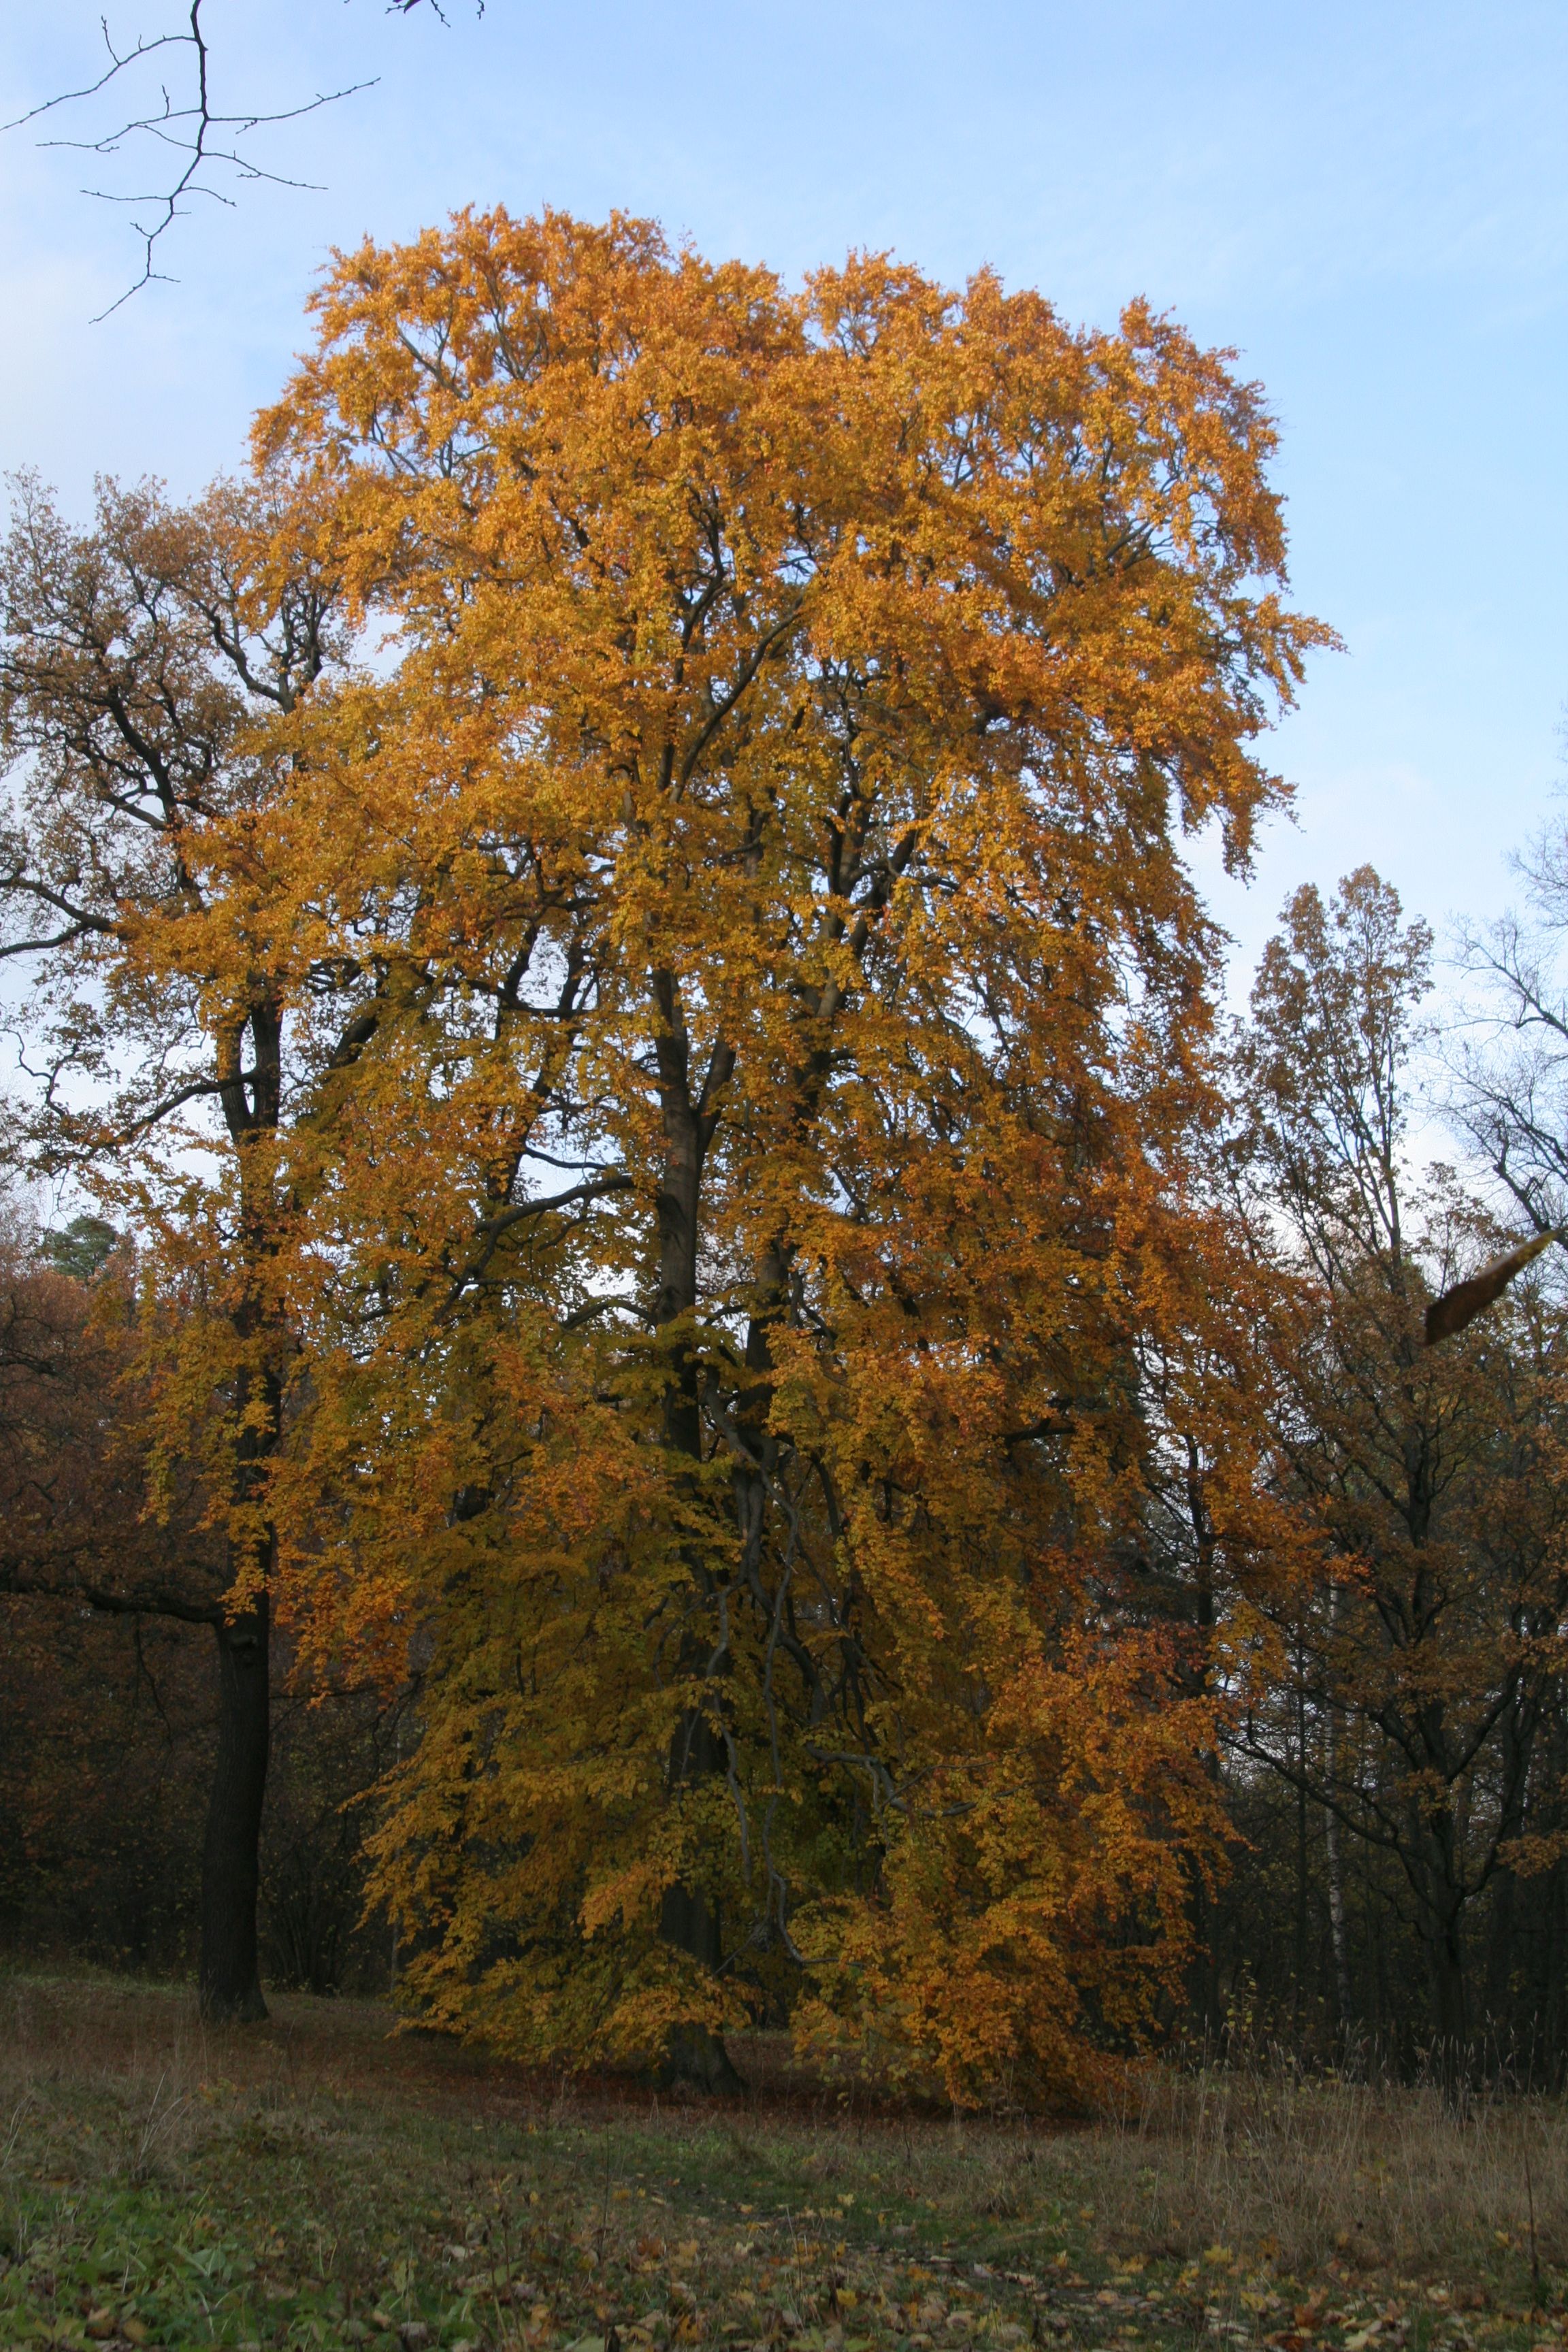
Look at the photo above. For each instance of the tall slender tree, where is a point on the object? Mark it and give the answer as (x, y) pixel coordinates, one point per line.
(142, 663)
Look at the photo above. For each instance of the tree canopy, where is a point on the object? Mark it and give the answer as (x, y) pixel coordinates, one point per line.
(753, 872)
(616, 933)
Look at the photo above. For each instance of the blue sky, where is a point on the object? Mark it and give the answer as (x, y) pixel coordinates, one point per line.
(1371, 201)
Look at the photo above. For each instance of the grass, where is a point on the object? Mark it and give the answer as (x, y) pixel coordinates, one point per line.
(313, 2183)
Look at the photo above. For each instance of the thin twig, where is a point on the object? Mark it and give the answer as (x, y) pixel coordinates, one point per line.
(192, 129)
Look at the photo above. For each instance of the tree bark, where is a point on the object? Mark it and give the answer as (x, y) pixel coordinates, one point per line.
(1500, 1953)
(230, 1980)
(1450, 2019)
(688, 1919)
(1299, 2004)
(1337, 1936)
(690, 1922)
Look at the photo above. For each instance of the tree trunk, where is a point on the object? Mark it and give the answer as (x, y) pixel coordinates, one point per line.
(1449, 2007)
(230, 1983)
(689, 1920)
(695, 2053)
(1337, 1936)
(1450, 2019)
(1298, 2008)
(1500, 1955)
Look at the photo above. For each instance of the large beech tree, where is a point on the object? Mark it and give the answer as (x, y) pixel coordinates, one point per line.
(751, 875)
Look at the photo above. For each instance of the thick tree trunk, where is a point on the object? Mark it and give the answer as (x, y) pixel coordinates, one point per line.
(696, 2055)
(230, 1980)
(1299, 2004)
(1451, 2057)
(230, 1983)
(1500, 1953)
(688, 1919)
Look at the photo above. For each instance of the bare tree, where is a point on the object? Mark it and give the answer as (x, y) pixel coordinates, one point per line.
(1511, 1072)
(1424, 1630)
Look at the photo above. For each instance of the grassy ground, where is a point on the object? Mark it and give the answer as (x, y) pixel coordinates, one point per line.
(311, 2182)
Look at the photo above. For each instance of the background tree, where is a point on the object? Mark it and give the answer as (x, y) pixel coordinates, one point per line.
(140, 664)
(1411, 1682)
(1512, 1083)
(107, 1706)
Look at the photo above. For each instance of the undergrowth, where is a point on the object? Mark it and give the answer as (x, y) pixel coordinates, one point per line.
(314, 2183)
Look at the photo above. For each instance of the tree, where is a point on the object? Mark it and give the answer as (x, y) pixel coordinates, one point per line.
(1511, 1098)
(80, 1247)
(140, 665)
(757, 864)
(1414, 1673)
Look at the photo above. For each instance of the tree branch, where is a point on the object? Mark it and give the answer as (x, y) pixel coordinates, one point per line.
(19, 1577)
(191, 131)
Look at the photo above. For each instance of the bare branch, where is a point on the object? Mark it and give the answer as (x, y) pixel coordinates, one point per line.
(194, 130)
(90, 90)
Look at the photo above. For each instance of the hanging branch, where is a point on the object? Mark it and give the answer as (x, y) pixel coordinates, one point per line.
(198, 139)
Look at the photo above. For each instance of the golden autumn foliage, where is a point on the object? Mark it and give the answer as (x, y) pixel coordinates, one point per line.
(705, 1253)
(747, 867)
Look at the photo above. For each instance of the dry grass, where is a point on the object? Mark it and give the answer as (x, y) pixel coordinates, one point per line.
(313, 2182)
(1384, 2179)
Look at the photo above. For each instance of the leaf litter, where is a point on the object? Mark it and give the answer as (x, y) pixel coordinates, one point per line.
(273, 2214)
